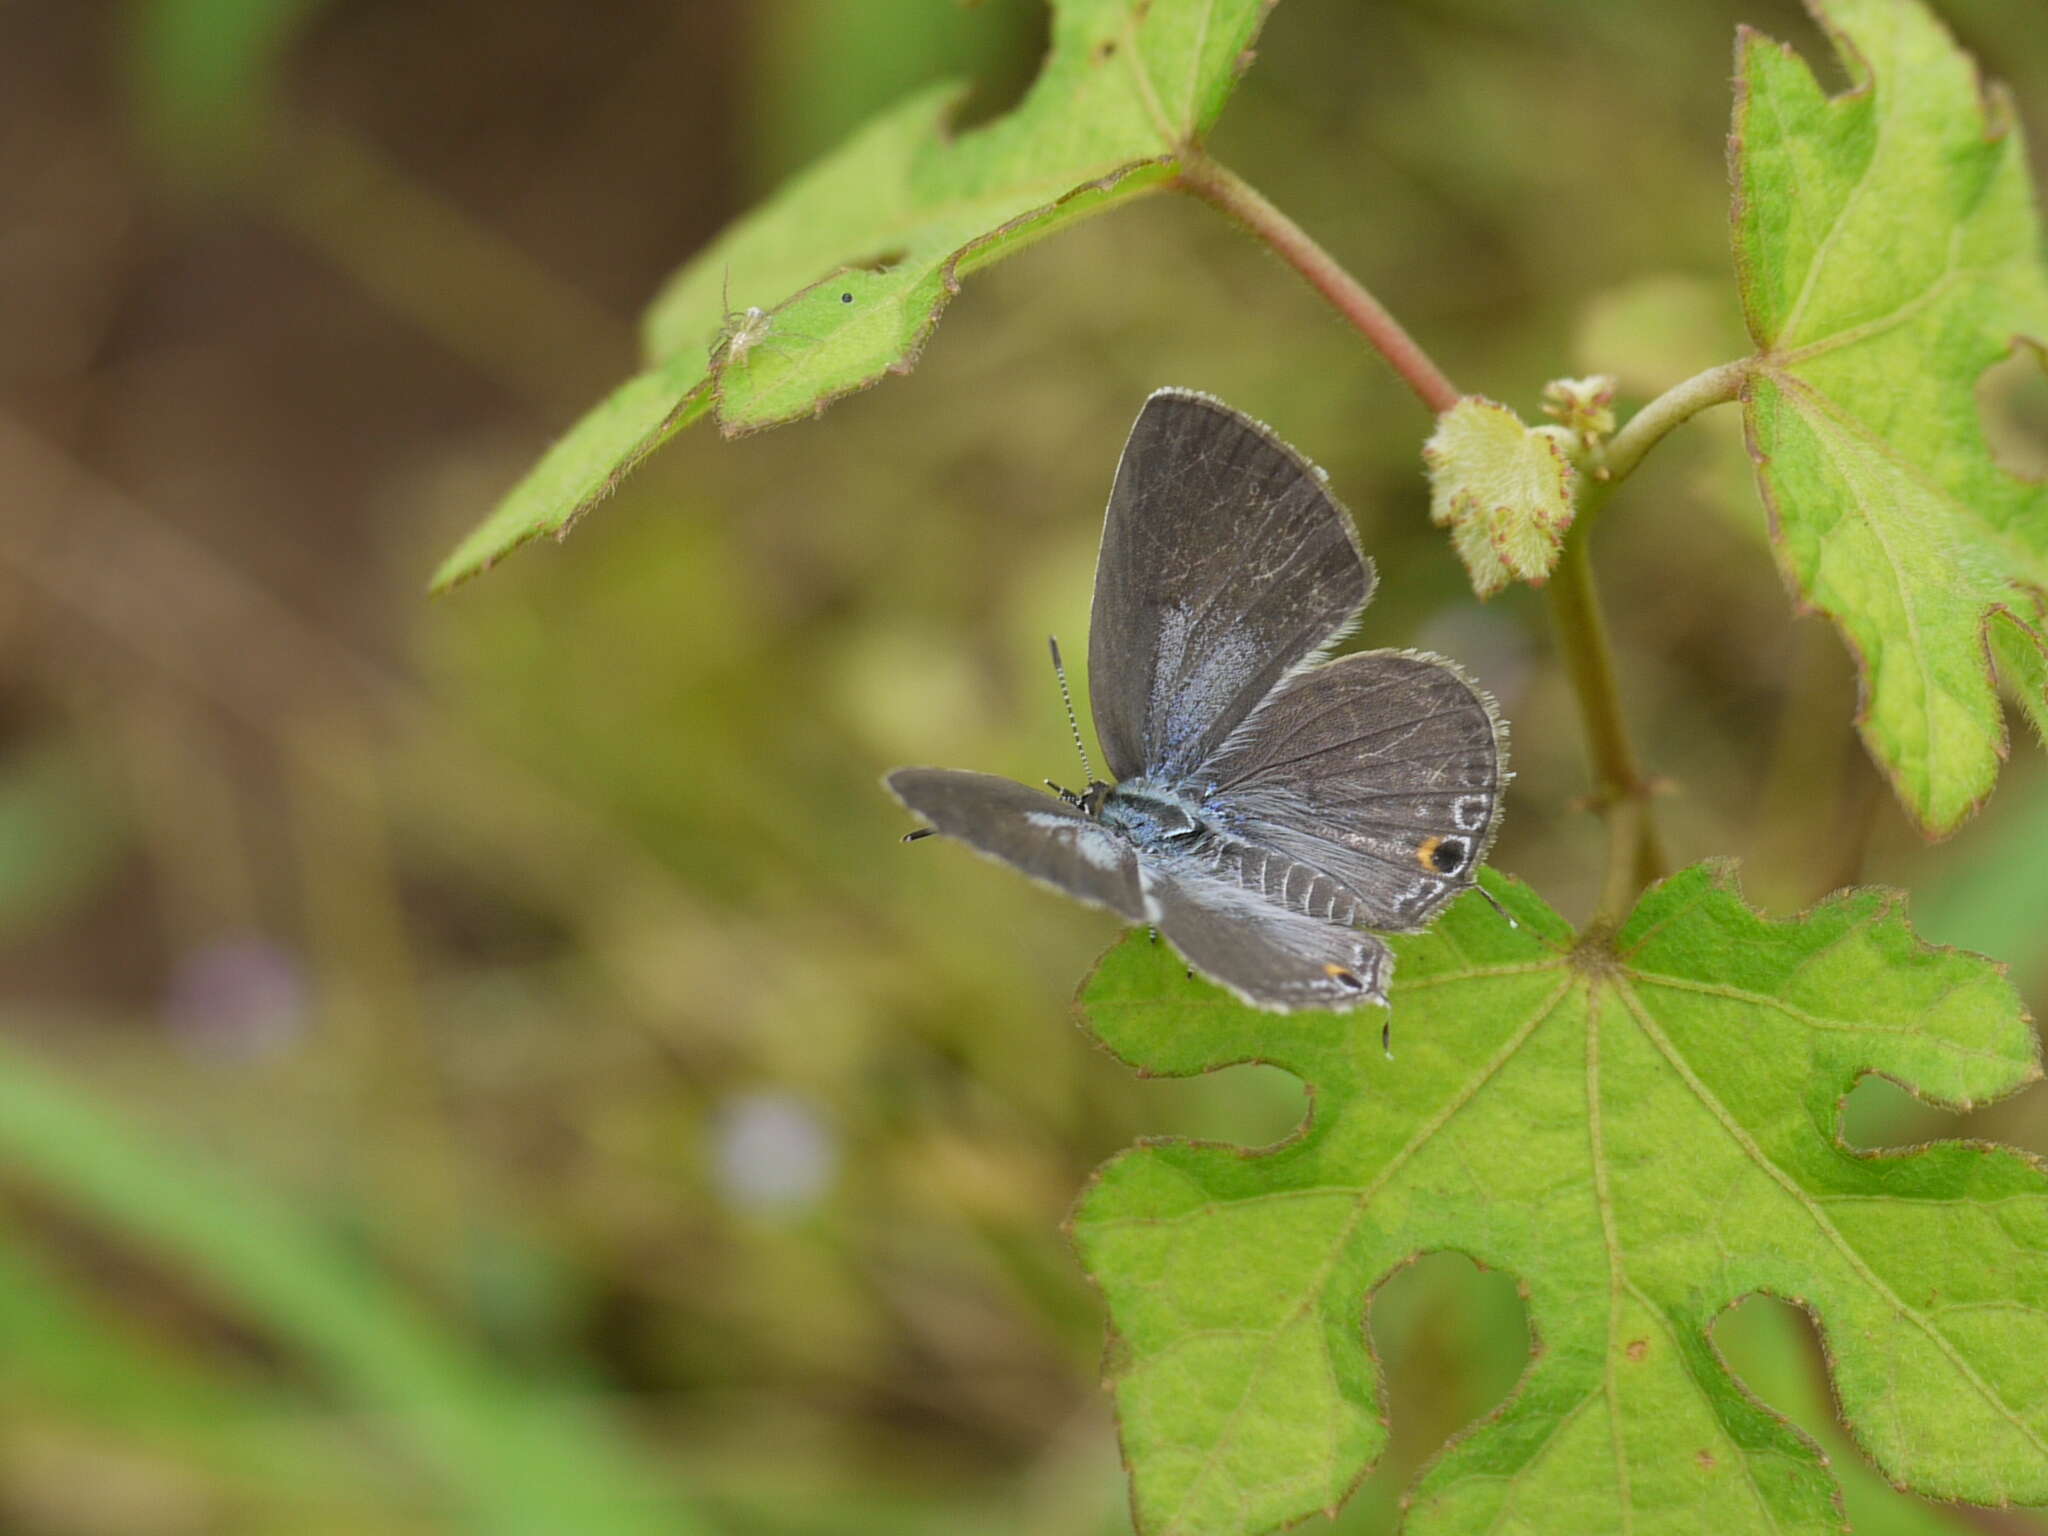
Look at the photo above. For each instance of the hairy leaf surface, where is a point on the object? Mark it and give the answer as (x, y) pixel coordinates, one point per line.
(1642, 1129)
(1888, 253)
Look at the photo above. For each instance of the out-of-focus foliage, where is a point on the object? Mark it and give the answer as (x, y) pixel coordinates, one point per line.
(493, 938)
(511, 1459)
(202, 75)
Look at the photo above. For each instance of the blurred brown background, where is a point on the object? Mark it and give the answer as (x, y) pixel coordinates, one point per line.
(486, 1063)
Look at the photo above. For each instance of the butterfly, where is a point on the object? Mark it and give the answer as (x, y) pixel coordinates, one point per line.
(1267, 807)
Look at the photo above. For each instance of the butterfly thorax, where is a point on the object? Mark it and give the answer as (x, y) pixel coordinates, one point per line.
(1150, 815)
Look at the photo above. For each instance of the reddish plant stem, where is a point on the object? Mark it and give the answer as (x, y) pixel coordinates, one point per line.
(1225, 190)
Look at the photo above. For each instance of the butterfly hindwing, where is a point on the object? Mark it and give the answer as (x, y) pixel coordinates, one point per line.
(1225, 563)
(1268, 956)
(1383, 770)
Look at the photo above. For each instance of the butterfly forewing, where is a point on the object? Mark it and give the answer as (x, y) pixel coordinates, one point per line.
(1031, 831)
(1225, 563)
(1382, 770)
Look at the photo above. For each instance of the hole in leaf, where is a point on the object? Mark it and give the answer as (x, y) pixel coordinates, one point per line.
(1007, 41)
(1452, 1339)
(1773, 1348)
(1879, 1113)
(882, 262)
(2012, 398)
(1247, 1106)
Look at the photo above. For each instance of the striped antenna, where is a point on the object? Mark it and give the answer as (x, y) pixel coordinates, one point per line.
(1059, 671)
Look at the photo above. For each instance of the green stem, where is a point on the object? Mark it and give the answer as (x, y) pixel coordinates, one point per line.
(1644, 430)
(1635, 855)
(1224, 189)
(1621, 792)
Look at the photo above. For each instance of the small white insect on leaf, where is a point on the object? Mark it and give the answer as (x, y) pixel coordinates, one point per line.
(741, 332)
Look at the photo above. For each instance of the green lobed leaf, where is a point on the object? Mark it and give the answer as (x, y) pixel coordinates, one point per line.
(1888, 253)
(1642, 1128)
(853, 261)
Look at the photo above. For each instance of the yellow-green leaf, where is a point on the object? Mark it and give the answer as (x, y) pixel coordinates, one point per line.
(1642, 1127)
(1504, 490)
(1889, 253)
(852, 262)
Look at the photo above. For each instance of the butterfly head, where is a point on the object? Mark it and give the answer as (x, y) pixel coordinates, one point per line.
(1089, 801)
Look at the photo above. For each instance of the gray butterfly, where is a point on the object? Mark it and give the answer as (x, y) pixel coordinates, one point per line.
(1265, 808)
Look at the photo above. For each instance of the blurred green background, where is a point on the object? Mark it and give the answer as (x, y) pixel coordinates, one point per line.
(487, 1065)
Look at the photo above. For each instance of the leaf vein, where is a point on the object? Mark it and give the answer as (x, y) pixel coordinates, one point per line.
(1880, 103)
(1616, 1277)
(1813, 1020)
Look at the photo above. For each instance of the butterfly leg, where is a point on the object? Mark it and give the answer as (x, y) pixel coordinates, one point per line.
(1494, 902)
(1387, 1025)
(1152, 934)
